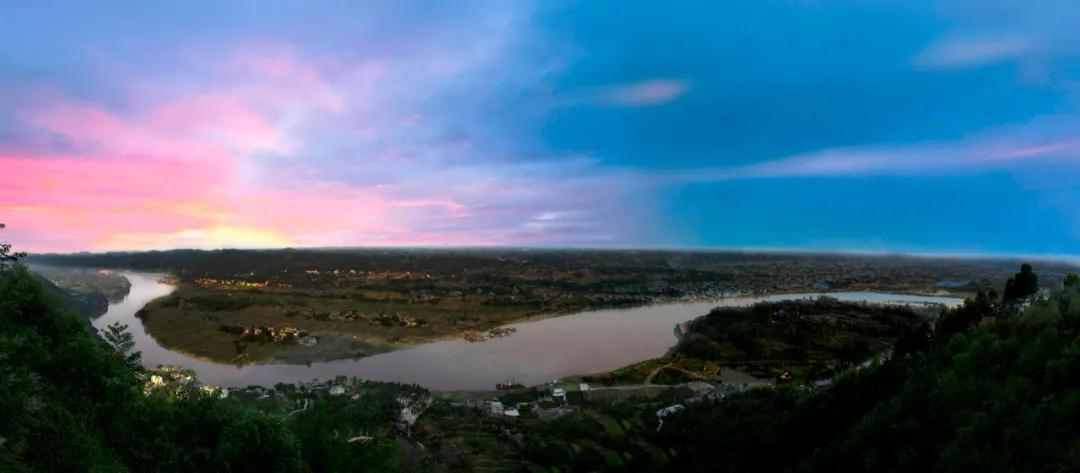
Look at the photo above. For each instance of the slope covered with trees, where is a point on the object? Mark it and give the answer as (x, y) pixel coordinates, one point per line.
(71, 401)
(995, 388)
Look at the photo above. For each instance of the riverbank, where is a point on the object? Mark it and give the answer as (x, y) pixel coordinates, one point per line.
(261, 326)
(798, 341)
(540, 350)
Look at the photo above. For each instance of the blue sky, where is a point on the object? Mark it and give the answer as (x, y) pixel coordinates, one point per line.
(916, 126)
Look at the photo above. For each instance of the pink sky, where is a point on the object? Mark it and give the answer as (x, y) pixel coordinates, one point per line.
(223, 165)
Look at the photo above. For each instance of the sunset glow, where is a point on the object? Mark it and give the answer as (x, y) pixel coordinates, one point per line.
(508, 123)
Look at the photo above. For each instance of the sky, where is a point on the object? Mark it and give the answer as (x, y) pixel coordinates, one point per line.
(899, 126)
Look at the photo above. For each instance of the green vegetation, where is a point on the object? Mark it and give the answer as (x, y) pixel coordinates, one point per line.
(1001, 394)
(7, 255)
(113, 286)
(796, 341)
(88, 291)
(362, 302)
(998, 394)
(69, 401)
(824, 329)
(1023, 284)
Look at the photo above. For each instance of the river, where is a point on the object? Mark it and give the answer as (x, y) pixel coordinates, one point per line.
(541, 350)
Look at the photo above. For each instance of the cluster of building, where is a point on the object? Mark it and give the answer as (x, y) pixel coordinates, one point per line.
(231, 283)
(272, 333)
(165, 376)
(265, 333)
(367, 275)
(379, 319)
(377, 275)
(411, 408)
(496, 408)
(556, 395)
(335, 272)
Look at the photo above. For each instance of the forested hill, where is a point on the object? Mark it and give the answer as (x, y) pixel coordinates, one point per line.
(996, 387)
(88, 305)
(71, 402)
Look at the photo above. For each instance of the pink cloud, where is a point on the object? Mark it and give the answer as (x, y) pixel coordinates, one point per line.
(230, 164)
(222, 118)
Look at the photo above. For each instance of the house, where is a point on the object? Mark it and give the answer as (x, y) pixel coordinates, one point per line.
(407, 417)
(559, 393)
(511, 412)
(337, 390)
(495, 408)
(669, 410)
(584, 387)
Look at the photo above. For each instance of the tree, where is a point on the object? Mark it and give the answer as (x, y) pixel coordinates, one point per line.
(252, 441)
(8, 257)
(1022, 284)
(968, 315)
(122, 341)
(1072, 280)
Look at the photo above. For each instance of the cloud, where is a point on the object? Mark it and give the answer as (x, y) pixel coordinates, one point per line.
(972, 52)
(1050, 141)
(496, 122)
(257, 144)
(643, 94)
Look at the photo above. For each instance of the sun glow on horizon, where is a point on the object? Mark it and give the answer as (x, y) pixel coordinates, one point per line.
(506, 123)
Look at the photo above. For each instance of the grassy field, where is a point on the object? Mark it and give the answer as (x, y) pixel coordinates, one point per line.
(345, 324)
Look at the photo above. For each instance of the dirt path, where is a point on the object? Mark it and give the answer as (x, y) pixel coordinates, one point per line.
(652, 374)
(298, 410)
(695, 385)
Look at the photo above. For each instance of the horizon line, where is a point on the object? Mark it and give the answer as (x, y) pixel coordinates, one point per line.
(1045, 257)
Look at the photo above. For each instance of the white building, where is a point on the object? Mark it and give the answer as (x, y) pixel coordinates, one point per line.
(669, 410)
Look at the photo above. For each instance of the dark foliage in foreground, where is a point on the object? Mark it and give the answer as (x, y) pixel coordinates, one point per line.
(70, 401)
(992, 390)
